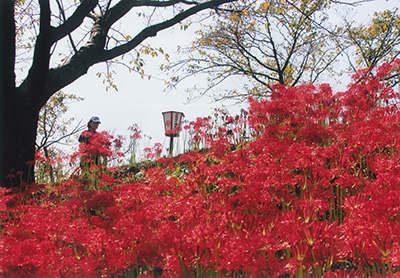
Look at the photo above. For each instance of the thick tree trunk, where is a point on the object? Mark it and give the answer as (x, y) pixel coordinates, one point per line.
(17, 147)
(19, 107)
(7, 88)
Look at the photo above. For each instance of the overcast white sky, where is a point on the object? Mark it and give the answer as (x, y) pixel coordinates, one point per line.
(142, 101)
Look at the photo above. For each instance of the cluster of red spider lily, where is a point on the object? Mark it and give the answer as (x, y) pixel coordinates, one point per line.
(315, 192)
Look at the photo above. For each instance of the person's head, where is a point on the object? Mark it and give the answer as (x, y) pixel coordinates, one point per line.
(94, 122)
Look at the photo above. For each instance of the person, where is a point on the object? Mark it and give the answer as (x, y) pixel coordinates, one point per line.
(88, 134)
(86, 137)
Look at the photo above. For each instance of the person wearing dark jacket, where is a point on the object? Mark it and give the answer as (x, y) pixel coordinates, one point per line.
(92, 125)
(86, 137)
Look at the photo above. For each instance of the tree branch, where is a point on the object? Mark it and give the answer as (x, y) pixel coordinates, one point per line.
(74, 21)
(351, 3)
(41, 57)
(61, 8)
(152, 31)
(93, 52)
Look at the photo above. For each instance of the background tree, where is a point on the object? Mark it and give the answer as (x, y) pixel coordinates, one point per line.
(87, 27)
(266, 42)
(53, 129)
(374, 43)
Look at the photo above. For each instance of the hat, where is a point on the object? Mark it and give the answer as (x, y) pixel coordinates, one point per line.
(95, 119)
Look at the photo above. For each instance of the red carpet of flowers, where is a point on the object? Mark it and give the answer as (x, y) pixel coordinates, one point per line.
(315, 192)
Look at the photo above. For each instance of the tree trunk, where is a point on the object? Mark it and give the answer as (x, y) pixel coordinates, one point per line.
(19, 107)
(48, 165)
(8, 113)
(18, 121)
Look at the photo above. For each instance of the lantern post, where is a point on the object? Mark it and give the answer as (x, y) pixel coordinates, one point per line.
(172, 125)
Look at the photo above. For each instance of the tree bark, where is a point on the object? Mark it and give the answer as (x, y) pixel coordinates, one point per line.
(17, 151)
(7, 88)
(20, 106)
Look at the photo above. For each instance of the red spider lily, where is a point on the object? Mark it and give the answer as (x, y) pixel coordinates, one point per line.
(118, 142)
(314, 193)
(99, 145)
(153, 153)
(136, 132)
(39, 156)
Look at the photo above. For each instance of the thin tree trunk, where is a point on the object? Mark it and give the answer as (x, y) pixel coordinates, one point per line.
(48, 165)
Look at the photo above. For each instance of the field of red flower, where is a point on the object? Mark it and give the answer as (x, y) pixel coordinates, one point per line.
(315, 192)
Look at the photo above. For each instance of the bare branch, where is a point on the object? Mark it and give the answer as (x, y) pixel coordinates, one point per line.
(152, 31)
(74, 21)
(60, 7)
(351, 3)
